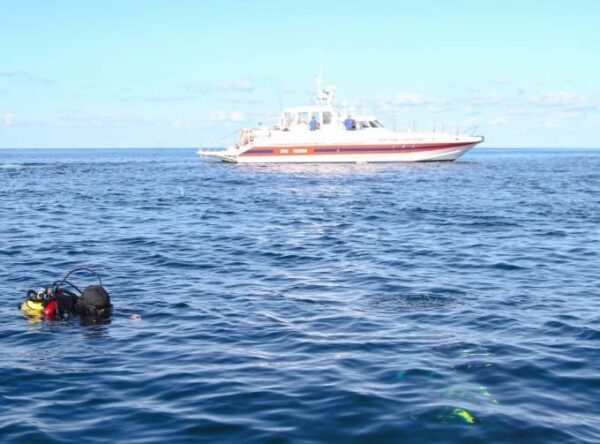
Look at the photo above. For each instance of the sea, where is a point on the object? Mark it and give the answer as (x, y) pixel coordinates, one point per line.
(370, 303)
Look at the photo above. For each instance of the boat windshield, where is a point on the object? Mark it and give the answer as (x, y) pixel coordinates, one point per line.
(363, 124)
(288, 119)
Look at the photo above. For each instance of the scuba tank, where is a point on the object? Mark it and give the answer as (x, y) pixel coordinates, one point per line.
(63, 299)
(36, 302)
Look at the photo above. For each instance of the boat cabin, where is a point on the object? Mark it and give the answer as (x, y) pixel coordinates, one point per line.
(299, 117)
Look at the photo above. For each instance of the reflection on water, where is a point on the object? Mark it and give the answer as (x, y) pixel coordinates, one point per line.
(365, 170)
(94, 330)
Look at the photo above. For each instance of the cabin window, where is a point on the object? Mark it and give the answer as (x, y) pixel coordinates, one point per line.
(379, 123)
(373, 124)
(302, 118)
(327, 117)
(288, 119)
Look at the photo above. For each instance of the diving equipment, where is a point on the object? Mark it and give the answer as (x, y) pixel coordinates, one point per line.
(63, 299)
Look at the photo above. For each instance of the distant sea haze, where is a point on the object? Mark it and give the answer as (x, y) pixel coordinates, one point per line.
(437, 302)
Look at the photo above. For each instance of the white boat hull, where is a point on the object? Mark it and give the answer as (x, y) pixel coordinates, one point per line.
(344, 154)
(438, 155)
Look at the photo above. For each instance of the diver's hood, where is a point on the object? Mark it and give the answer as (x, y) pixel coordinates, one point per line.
(94, 301)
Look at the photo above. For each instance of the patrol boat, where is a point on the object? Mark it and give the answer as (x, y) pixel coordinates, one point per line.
(321, 133)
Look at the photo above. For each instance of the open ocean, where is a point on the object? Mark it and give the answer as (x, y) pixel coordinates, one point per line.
(375, 303)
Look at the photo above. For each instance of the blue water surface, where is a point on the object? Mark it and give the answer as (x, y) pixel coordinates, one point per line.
(438, 302)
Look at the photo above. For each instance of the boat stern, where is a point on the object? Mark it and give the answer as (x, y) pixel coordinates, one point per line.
(224, 155)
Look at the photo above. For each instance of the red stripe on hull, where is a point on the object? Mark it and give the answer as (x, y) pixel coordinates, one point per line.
(349, 149)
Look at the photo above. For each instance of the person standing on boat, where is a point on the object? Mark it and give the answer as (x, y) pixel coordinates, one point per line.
(313, 124)
(349, 123)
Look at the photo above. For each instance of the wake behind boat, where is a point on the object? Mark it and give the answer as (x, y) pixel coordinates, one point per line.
(320, 133)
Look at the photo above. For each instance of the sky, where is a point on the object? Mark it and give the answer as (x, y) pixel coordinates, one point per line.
(144, 73)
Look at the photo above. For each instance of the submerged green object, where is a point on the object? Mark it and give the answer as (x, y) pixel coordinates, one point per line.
(456, 415)
(462, 413)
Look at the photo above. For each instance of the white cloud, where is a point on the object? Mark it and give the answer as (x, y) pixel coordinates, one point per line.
(109, 120)
(551, 122)
(197, 87)
(8, 73)
(243, 85)
(179, 124)
(498, 121)
(9, 119)
(237, 85)
(25, 75)
(161, 98)
(562, 99)
(470, 110)
(410, 98)
(232, 116)
(404, 101)
(487, 99)
(237, 116)
(436, 108)
(556, 120)
(570, 115)
(521, 111)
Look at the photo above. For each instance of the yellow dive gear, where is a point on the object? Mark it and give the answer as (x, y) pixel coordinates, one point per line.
(32, 307)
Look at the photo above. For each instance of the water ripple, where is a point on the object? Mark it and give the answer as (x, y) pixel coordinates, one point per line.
(311, 303)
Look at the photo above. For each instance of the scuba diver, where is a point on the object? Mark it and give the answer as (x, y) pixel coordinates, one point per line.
(63, 300)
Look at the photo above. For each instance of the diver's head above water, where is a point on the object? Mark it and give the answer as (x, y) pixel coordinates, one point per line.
(63, 300)
(94, 301)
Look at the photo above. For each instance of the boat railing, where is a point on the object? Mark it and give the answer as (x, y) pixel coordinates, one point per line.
(249, 136)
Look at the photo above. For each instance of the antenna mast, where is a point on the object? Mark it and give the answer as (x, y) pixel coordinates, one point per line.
(320, 79)
(324, 96)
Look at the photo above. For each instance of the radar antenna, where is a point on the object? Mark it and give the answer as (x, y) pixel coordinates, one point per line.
(324, 96)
